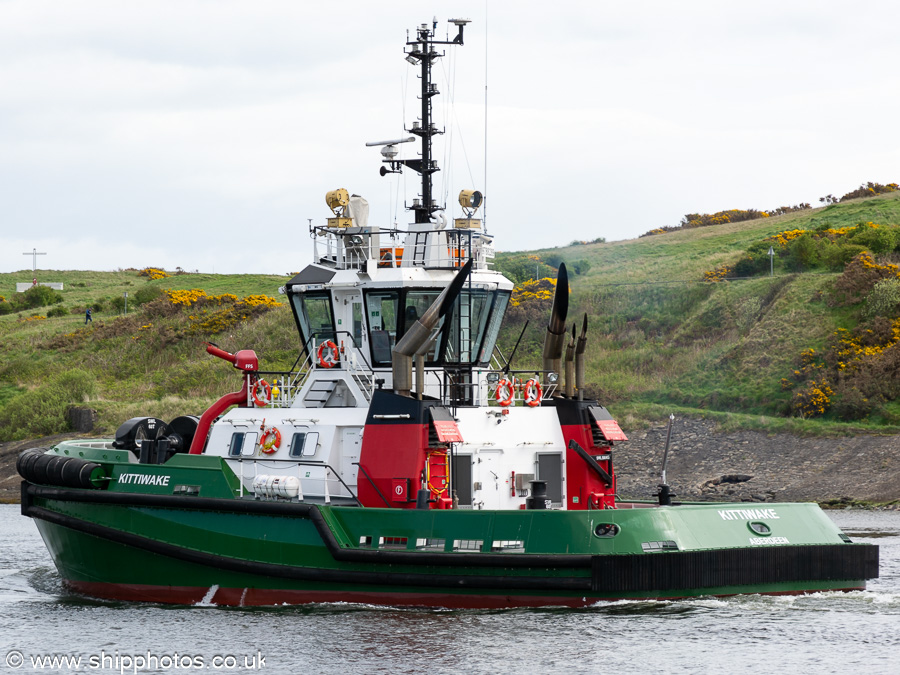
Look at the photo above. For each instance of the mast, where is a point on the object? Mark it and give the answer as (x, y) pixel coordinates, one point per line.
(422, 53)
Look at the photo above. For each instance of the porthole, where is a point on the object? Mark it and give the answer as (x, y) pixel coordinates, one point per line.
(760, 528)
(606, 530)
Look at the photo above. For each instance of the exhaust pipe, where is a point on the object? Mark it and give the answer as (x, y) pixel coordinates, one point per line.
(570, 366)
(579, 359)
(419, 333)
(556, 329)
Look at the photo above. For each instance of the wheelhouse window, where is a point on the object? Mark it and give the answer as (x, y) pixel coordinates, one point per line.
(493, 326)
(469, 339)
(470, 313)
(314, 316)
(381, 308)
(416, 303)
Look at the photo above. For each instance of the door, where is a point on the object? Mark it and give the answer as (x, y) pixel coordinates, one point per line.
(350, 445)
(487, 466)
(462, 479)
(549, 470)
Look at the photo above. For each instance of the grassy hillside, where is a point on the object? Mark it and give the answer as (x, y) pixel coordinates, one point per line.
(150, 362)
(661, 338)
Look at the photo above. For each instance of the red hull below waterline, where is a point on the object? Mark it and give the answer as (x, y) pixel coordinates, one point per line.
(256, 597)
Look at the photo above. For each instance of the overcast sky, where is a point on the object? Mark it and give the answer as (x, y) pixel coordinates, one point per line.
(204, 134)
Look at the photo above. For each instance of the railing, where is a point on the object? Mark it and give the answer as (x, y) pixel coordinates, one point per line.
(280, 466)
(354, 247)
(285, 386)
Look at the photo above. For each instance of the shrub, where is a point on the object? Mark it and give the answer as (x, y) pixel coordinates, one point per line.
(42, 411)
(153, 273)
(860, 277)
(814, 401)
(803, 253)
(883, 299)
(147, 294)
(57, 311)
(36, 296)
(870, 189)
(876, 239)
(749, 265)
(581, 266)
(852, 405)
(6, 308)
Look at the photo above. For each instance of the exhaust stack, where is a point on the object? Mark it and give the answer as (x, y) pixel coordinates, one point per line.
(554, 341)
(570, 366)
(419, 333)
(579, 359)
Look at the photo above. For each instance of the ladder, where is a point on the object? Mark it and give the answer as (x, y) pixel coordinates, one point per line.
(437, 472)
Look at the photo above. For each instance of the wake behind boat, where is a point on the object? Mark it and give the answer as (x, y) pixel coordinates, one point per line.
(405, 462)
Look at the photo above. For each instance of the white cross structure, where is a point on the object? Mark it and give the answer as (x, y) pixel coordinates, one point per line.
(34, 254)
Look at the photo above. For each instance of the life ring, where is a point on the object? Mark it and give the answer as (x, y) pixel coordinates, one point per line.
(533, 392)
(330, 358)
(505, 392)
(270, 445)
(267, 393)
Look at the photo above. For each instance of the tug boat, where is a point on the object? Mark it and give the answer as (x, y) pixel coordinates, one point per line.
(403, 461)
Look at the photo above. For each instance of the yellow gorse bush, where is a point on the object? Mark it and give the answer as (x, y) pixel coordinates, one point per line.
(718, 274)
(533, 289)
(153, 273)
(814, 401)
(784, 238)
(851, 352)
(186, 298)
(261, 301)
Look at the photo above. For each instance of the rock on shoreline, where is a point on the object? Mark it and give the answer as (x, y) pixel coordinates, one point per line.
(753, 466)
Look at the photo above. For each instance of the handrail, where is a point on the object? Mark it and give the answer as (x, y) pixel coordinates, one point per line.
(372, 483)
(301, 462)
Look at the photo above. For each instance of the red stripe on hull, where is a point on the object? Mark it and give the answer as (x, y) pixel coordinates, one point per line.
(254, 597)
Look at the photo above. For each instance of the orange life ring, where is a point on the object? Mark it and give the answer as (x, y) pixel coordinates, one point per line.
(330, 358)
(504, 392)
(267, 393)
(268, 445)
(533, 392)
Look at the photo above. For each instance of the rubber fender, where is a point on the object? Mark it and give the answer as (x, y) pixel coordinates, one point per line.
(36, 466)
(26, 459)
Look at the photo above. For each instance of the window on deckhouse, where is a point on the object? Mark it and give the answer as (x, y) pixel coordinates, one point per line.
(314, 317)
(468, 340)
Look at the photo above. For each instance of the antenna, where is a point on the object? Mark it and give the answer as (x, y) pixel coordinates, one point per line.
(421, 53)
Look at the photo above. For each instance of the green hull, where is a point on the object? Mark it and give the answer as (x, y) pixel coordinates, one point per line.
(144, 539)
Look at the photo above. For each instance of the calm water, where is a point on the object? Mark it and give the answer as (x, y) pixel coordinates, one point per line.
(823, 633)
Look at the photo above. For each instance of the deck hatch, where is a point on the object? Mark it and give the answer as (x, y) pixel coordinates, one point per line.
(608, 427)
(445, 426)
